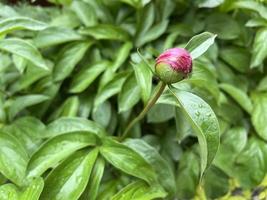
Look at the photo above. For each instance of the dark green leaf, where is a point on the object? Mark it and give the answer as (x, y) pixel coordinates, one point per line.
(68, 59)
(55, 35)
(239, 96)
(127, 160)
(106, 32)
(72, 124)
(24, 49)
(69, 179)
(19, 23)
(129, 95)
(56, 149)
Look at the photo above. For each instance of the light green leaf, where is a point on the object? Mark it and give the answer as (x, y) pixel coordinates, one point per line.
(33, 191)
(55, 35)
(69, 179)
(56, 149)
(127, 160)
(199, 44)
(161, 166)
(22, 102)
(9, 192)
(24, 49)
(86, 76)
(72, 124)
(95, 180)
(129, 94)
(20, 23)
(85, 12)
(144, 79)
(239, 96)
(140, 191)
(259, 114)
(259, 49)
(210, 3)
(69, 58)
(13, 158)
(106, 32)
(204, 122)
(28, 130)
(136, 3)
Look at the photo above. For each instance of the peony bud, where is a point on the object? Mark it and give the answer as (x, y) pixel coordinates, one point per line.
(173, 65)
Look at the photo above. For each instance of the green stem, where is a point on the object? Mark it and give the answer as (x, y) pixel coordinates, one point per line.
(160, 88)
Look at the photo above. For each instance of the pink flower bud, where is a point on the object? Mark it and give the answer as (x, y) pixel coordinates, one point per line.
(173, 65)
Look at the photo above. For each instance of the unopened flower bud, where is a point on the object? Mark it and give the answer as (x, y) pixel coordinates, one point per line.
(173, 65)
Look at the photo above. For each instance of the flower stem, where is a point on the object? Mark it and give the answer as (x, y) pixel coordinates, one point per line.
(158, 91)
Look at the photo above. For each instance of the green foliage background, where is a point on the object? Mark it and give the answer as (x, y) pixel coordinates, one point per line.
(71, 80)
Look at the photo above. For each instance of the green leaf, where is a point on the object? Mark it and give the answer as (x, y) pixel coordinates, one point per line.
(129, 94)
(9, 192)
(106, 32)
(238, 58)
(102, 114)
(24, 49)
(251, 5)
(223, 25)
(13, 158)
(204, 122)
(55, 35)
(85, 12)
(84, 78)
(160, 113)
(127, 160)
(95, 180)
(69, 58)
(110, 88)
(56, 149)
(232, 143)
(122, 55)
(33, 191)
(69, 179)
(251, 162)
(28, 130)
(259, 48)
(144, 79)
(199, 44)
(210, 3)
(187, 176)
(216, 183)
(140, 191)
(161, 167)
(259, 114)
(153, 33)
(239, 96)
(20, 23)
(72, 124)
(22, 102)
(136, 3)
